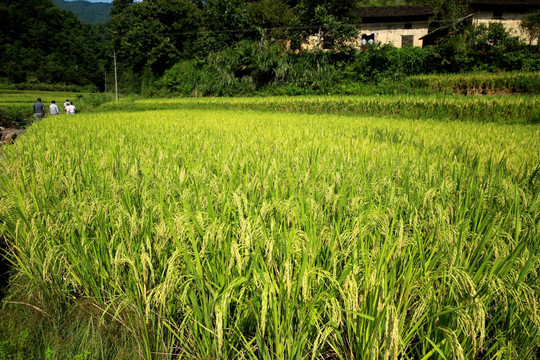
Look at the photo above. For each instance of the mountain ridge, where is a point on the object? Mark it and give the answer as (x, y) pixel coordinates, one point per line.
(88, 12)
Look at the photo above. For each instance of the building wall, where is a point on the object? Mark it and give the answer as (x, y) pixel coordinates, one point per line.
(387, 33)
(391, 33)
(510, 20)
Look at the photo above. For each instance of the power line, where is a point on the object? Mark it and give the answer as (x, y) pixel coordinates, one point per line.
(261, 29)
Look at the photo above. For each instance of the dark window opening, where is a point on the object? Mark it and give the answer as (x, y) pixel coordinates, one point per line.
(328, 42)
(407, 40)
(368, 39)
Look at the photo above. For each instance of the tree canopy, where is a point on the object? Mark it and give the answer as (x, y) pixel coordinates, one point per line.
(41, 43)
(157, 33)
(154, 33)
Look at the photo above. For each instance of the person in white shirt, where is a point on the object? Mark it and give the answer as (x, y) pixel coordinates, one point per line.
(70, 109)
(53, 108)
(66, 104)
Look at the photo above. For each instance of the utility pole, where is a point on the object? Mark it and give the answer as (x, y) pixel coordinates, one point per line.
(263, 32)
(115, 76)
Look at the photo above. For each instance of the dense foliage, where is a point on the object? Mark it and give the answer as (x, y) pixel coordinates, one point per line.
(264, 68)
(531, 25)
(41, 43)
(158, 33)
(231, 47)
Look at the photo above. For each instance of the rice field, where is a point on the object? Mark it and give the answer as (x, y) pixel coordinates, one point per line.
(509, 82)
(505, 109)
(235, 232)
(20, 101)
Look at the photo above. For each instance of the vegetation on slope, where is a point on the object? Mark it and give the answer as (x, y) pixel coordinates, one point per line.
(86, 11)
(40, 43)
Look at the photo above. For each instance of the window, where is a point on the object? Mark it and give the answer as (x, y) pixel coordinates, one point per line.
(408, 26)
(368, 39)
(407, 40)
(328, 42)
(497, 14)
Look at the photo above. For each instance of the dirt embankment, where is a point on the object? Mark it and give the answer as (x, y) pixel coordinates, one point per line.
(9, 135)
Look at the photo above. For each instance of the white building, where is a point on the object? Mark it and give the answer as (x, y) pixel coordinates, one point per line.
(508, 12)
(396, 25)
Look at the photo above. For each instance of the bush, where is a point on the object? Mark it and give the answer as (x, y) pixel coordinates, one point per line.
(182, 78)
(7, 118)
(388, 62)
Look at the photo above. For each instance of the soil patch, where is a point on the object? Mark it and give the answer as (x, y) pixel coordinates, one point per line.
(5, 270)
(479, 91)
(8, 135)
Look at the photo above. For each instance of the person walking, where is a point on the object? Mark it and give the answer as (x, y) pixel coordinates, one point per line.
(70, 109)
(39, 109)
(53, 108)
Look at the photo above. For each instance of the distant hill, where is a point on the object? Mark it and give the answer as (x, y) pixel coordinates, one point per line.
(42, 44)
(88, 12)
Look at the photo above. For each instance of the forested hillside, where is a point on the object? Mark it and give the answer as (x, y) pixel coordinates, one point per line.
(42, 44)
(87, 12)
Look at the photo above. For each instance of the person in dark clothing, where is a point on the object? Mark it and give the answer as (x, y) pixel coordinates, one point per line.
(39, 109)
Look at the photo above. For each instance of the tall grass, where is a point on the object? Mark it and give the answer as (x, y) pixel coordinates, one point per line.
(258, 235)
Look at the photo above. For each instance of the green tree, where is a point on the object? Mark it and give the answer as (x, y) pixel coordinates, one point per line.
(42, 43)
(154, 33)
(482, 47)
(448, 12)
(332, 20)
(226, 22)
(531, 25)
(272, 16)
(118, 6)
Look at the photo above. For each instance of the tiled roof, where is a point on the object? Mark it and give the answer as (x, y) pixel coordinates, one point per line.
(506, 3)
(393, 11)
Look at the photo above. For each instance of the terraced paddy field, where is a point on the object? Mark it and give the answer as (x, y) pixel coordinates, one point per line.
(201, 230)
(22, 100)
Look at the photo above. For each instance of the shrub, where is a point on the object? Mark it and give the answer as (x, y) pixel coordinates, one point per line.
(8, 117)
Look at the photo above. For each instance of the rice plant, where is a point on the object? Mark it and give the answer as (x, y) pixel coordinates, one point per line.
(509, 110)
(245, 234)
